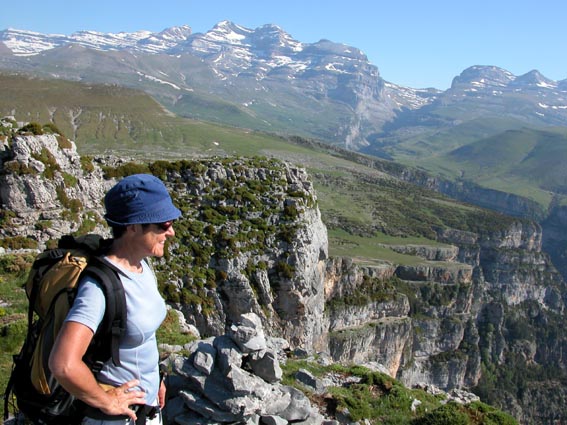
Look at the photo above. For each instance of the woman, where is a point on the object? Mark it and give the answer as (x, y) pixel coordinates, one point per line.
(141, 214)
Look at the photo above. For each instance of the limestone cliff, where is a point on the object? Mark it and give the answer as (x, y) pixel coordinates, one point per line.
(251, 240)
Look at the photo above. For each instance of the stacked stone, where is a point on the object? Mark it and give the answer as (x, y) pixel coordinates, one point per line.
(234, 378)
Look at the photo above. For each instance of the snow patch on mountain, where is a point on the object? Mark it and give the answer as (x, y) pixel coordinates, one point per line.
(408, 97)
(26, 43)
(545, 106)
(157, 80)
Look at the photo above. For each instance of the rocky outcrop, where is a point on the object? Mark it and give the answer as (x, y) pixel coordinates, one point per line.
(234, 378)
(41, 178)
(40, 165)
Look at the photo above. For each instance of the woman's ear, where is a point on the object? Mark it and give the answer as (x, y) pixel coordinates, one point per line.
(133, 228)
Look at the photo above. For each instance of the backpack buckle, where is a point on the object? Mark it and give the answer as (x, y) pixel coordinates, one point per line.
(96, 367)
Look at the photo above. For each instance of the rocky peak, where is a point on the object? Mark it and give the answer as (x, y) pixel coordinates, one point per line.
(534, 79)
(226, 34)
(24, 43)
(168, 39)
(482, 77)
(331, 49)
(273, 40)
(180, 33)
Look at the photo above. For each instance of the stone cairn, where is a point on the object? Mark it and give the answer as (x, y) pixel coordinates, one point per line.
(234, 378)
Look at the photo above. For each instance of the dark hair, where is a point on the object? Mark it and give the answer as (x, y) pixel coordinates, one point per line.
(117, 231)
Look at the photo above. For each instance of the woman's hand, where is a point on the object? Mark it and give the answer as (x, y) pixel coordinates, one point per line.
(122, 398)
(161, 394)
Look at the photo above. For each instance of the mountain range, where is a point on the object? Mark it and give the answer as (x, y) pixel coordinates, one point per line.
(264, 79)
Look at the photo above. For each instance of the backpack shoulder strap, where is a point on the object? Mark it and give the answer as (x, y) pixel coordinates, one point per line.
(114, 322)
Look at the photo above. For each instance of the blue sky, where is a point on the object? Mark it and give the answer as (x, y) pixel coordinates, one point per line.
(415, 43)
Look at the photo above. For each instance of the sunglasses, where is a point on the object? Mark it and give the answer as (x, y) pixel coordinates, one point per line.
(165, 225)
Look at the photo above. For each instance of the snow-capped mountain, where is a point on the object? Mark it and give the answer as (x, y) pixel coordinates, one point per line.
(265, 72)
(531, 97)
(26, 43)
(274, 82)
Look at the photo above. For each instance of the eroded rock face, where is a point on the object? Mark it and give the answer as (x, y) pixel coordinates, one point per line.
(41, 180)
(41, 167)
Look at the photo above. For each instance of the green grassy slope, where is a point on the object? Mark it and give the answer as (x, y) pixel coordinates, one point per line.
(102, 118)
(525, 162)
(431, 143)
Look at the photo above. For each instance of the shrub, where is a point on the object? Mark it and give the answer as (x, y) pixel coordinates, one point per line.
(69, 180)
(51, 129)
(47, 159)
(87, 164)
(160, 168)
(12, 336)
(450, 413)
(170, 331)
(88, 224)
(18, 242)
(17, 168)
(75, 205)
(33, 127)
(290, 212)
(491, 416)
(64, 143)
(170, 292)
(212, 216)
(43, 225)
(125, 170)
(6, 217)
(15, 264)
(285, 270)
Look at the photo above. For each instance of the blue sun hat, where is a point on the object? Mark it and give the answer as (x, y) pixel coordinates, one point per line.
(139, 199)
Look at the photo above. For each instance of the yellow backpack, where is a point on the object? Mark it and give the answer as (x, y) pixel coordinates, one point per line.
(51, 288)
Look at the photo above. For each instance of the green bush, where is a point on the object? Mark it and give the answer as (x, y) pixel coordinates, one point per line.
(448, 414)
(18, 168)
(87, 164)
(64, 143)
(285, 270)
(69, 180)
(51, 128)
(488, 415)
(43, 225)
(47, 159)
(125, 170)
(88, 223)
(6, 217)
(33, 127)
(170, 331)
(18, 242)
(290, 212)
(15, 265)
(12, 335)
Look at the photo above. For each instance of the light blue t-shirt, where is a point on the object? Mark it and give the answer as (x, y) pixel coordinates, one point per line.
(145, 309)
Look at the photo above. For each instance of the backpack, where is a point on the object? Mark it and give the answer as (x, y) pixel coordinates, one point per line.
(51, 288)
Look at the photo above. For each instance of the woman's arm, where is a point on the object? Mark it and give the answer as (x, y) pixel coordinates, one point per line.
(67, 365)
